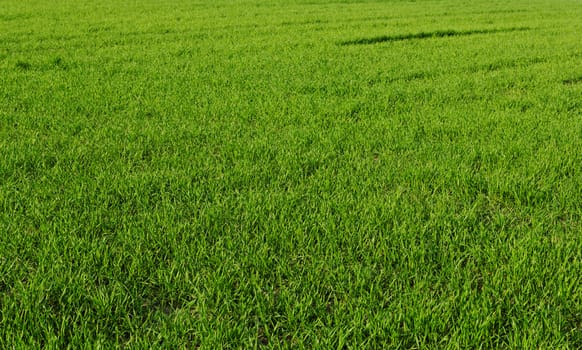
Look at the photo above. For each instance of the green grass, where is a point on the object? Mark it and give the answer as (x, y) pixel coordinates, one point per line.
(291, 174)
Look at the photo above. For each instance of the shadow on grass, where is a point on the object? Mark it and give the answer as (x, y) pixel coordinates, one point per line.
(428, 35)
(572, 81)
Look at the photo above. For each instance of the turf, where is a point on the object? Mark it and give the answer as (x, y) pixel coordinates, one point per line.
(291, 174)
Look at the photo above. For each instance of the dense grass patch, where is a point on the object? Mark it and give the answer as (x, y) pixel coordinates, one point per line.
(257, 174)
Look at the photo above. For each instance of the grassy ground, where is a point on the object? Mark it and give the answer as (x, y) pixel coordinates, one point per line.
(291, 174)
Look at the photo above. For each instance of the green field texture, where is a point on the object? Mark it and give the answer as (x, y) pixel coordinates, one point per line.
(291, 174)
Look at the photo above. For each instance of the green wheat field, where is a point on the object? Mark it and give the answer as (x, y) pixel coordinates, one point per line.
(301, 174)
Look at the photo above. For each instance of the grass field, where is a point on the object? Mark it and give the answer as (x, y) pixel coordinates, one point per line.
(291, 174)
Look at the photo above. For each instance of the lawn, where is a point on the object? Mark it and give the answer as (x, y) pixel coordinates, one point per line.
(291, 174)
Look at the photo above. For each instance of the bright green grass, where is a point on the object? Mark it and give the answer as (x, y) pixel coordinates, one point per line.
(291, 174)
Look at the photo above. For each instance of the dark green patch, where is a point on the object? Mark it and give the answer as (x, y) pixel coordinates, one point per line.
(23, 65)
(428, 35)
(572, 81)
